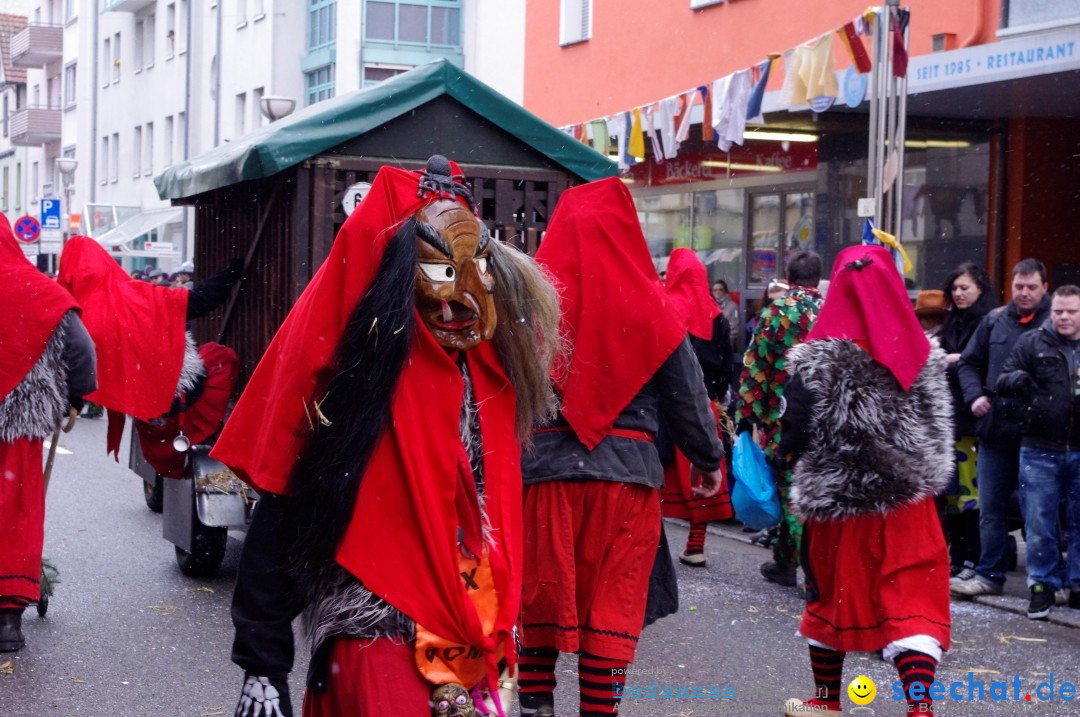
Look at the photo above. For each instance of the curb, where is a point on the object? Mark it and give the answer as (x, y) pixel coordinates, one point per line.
(1062, 616)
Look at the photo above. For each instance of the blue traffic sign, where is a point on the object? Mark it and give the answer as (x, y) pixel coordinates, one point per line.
(50, 214)
(27, 229)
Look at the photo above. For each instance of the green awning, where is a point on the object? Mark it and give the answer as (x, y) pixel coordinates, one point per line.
(322, 126)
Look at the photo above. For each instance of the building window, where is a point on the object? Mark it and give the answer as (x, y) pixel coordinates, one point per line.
(431, 23)
(69, 85)
(241, 13)
(4, 204)
(148, 155)
(18, 186)
(147, 58)
(105, 159)
(181, 30)
(136, 152)
(34, 182)
(140, 50)
(322, 24)
(240, 117)
(69, 10)
(575, 21)
(115, 164)
(377, 73)
(256, 108)
(170, 30)
(320, 84)
(5, 118)
(181, 134)
(116, 58)
(168, 141)
(258, 9)
(106, 58)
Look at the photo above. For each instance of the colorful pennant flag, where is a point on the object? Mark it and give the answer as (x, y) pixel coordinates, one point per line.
(855, 47)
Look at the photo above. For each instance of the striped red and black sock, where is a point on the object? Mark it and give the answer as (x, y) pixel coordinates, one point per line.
(917, 668)
(601, 681)
(828, 667)
(536, 678)
(695, 542)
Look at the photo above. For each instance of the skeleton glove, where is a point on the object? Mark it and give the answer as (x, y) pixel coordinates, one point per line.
(264, 697)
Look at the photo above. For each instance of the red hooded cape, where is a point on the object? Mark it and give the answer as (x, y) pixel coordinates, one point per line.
(616, 316)
(402, 542)
(33, 305)
(688, 289)
(870, 306)
(138, 330)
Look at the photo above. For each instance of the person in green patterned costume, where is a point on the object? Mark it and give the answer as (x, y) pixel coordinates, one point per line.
(782, 324)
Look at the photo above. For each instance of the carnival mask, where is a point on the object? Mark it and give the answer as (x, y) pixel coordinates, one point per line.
(454, 286)
(452, 700)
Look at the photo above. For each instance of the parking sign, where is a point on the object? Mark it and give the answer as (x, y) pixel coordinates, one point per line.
(50, 214)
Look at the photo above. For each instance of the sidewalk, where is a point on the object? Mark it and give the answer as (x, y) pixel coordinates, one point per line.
(1014, 600)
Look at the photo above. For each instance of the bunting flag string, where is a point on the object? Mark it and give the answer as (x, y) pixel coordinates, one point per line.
(808, 74)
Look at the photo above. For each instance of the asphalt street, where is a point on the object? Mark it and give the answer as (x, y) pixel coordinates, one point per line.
(127, 634)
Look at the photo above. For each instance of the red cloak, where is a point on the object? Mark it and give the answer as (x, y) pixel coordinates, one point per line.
(33, 305)
(402, 539)
(616, 316)
(688, 288)
(870, 306)
(138, 330)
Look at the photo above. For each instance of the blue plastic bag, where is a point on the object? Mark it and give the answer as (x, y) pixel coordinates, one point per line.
(754, 495)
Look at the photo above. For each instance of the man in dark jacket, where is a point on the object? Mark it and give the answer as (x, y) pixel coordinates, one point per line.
(1044, 368)
(998, 426)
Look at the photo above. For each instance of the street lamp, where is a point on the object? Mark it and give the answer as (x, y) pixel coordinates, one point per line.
(274, 108)
(67, 166)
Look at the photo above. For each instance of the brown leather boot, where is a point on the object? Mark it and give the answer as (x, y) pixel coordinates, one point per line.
(11, 637)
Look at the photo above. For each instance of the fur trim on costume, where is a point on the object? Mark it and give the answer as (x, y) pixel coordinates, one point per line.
(873, 446)
(193, 369)
(36, 406)
(345, 607)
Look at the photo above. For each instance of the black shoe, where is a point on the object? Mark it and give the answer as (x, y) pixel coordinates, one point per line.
(781, 574)
(11, 637)
(1074, 599)
(1042, 599)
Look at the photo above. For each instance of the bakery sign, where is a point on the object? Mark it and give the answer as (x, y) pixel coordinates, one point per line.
(752, 159)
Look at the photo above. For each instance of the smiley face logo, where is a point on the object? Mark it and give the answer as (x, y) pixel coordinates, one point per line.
(862, 690)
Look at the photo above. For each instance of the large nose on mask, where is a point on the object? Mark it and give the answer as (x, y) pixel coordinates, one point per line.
(477, 290)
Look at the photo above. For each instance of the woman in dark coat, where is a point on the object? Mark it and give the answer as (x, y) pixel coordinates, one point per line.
(969, 297)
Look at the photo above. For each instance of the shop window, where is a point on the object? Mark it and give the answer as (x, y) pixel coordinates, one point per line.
(377, 73)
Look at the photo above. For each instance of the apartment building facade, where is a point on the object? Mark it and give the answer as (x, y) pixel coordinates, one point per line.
(133, 86)
(991, 115)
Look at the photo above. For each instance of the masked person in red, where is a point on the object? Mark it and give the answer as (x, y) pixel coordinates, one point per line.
(46, 365)
(868, 417)
(382, 430)
(687, 287)
(592, 474)
(148, 365)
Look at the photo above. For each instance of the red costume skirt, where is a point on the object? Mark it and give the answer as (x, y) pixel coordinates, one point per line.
(589, 549)
(370, 678)
(879, 578)
(678, 499)
(22, 522)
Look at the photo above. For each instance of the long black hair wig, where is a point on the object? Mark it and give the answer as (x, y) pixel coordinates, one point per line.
(354, 411)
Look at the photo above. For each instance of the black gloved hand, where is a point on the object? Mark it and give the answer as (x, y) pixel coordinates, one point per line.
(264, 697)
(1016, 383)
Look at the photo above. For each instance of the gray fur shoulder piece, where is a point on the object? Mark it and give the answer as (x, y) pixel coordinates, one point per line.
(873, 446)
(193, 369)
(36, 406)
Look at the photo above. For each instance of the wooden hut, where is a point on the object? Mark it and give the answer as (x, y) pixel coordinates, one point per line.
(274, 197)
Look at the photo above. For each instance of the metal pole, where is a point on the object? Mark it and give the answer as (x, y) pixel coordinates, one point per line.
(875, 69)
(900, 143)
(883, 116)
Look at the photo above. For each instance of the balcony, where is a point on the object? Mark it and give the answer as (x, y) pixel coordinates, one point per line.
(37, 45)
(125, 5)
(35, 126)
